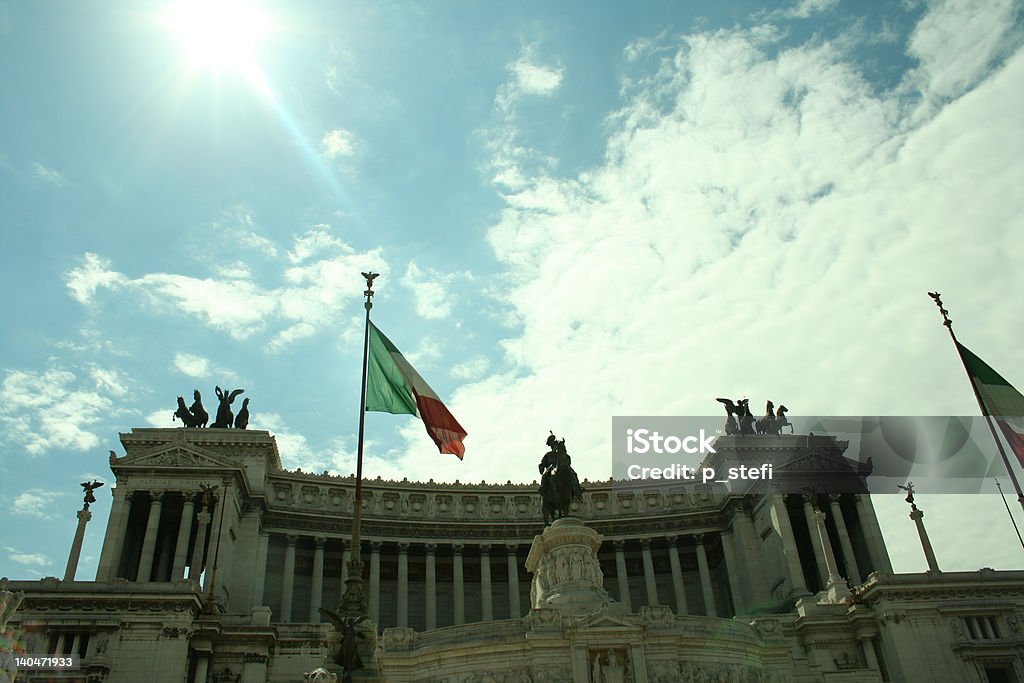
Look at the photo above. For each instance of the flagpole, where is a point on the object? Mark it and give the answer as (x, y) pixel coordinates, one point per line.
(1012, 520)
(977, 395)
(353, 602)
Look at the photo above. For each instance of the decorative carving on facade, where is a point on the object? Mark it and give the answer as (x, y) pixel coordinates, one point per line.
(226, 675)
(320, 675)
(657, 615)
(398, 639)
(552, 674)
(543, 619)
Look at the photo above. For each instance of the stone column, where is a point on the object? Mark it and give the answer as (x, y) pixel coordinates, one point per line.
(149, 541)
(867, 646)
(677, 574)
(261, 569)
(431, 586)
(317, 598)
(816, 542)
(780, 518)
(203, 518)
(705, 578)
(288, 587)
(485, 582)
(872, 535)
(836, 587)
(732, 570)
(621, 574)
(117, 527)
(184, 532)
(749, 543)
(652, 587)
(844, 540)
(76, 545)
(375, 581)
(202, 665)
(458, 587)
(513, 582)
(929, 553)
(216, 529)
(403, 585)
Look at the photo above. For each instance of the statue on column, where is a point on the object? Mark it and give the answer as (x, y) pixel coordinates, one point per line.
(89, 488)
(559, 484)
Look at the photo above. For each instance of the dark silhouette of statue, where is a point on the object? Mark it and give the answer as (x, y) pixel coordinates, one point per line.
(224, 415)
(348, 652)
(196, 416)
(738, 418)
(559, 485)
(89, 488)
(199, 413)
(242, 419)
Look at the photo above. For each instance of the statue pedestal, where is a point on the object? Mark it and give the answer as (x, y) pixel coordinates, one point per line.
(566, 573)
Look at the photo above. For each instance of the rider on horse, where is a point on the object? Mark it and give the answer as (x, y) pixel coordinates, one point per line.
(552, 462)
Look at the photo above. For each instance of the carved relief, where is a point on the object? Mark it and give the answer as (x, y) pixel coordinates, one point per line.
(283, 493)
(310, 495)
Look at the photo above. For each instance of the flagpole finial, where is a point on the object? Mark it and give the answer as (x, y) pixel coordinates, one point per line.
(370, 277)
(937, 298)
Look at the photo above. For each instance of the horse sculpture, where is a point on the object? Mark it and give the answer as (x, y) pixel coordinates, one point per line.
(184, 415)
(199, 413)
(559, 485)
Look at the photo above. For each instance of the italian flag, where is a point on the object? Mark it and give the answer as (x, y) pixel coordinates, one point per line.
(999, 399)
(394, 386)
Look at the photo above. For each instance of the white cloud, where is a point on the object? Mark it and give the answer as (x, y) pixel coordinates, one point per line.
(535, 79)
(35, 503)
(56, 408)
(94, 273)
(192, 365)
(48, 175)
(338, 143)
(318, 286)
(955, 44)
(432, 290)
(27, 559)
(472, 369)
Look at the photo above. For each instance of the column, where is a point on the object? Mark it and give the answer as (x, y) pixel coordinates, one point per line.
(288, 588)
(868, 648)
(872, 535)
(513, 582)
(816, 543)
(849, 560)
(780, 518)
(458, 588)
(677, 574)
(749, 544)
(202, 664)
(705, 578)
(203, 518)
(620, 573)
(831, 569)
(929, 554)
(375, 581)
(149, 542)
(76, 643)
(261, 569)
(214, 556)
(652, 587)
(317, 599)
(254, 667)
(117, 527)
(60, 644)
(76, 545)
(485, 582)
(184, 531)
(403, 585)
(431, 586)
(732, 571)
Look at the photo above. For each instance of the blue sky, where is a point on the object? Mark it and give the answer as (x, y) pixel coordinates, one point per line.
(579, 211)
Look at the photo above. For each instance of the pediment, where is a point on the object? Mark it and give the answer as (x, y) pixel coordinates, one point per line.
(606, 620)
(818, 461)
(175, 455)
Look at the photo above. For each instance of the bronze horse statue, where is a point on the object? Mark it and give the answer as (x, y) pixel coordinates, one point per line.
(559, 485)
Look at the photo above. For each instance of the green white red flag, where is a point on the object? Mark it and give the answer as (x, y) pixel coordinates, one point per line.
(394, 386)
(999, 399)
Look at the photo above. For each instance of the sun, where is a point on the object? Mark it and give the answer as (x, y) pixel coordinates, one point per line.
(222, 35)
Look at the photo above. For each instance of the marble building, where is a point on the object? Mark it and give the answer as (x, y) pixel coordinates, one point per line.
(215, 560)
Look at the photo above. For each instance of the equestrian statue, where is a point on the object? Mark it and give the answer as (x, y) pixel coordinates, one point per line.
(559, 485)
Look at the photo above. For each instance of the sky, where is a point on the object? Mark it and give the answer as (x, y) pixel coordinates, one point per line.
(578, 210)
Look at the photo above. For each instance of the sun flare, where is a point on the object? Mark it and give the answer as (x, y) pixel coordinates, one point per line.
(224, 35)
